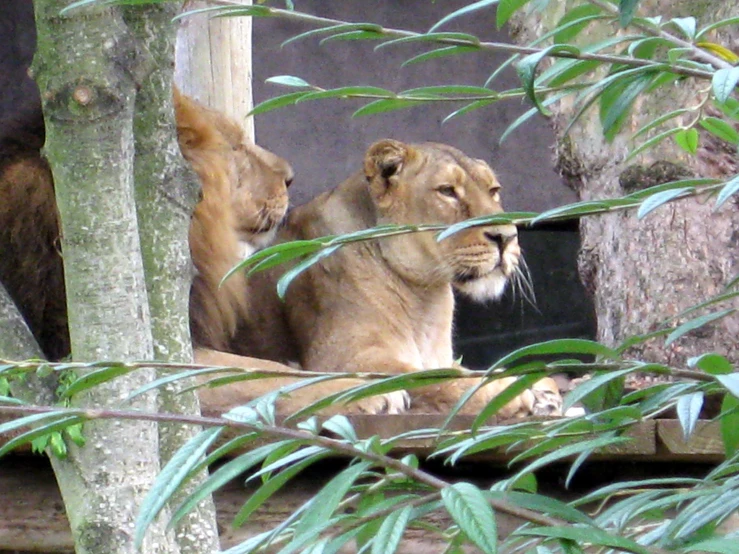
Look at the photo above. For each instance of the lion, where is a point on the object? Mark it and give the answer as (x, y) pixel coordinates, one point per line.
(244, 198)
(387, 305)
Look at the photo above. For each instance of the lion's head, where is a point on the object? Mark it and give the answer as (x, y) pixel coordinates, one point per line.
(244, 199)
(251, 179)
(436, 183)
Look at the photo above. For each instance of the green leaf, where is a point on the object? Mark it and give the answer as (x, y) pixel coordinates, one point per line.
(570, 210)
(277, 102)
(469, 107)
(686, 25)
(496, 219)
(223, 475)
(293, 272)
(729, 422)
(721, 129)
(322, 505)
(724, 81)
(356, 35)
(348, 92)
(687, 139)
(450, 90)
(656, 200)
(341, 426)
(562, 74)
(626, 11)
(574, 21)
(270, 487)
(730, 189)
(60, 422)
(711, 363)
(681, 183)
(655, 140)
(688, 409)
(696, 323)
(323, 30)
(432, 37)
(526, 69)
(615, 107)
(716, 25)
(563, 452)
(93, 378)
(730, 381)
(591, 535)
(528, 114)
(471, 8)
(176, 472)
(544, 505)
(390, 533)
(592, 384)
(506, 9)
(719, 546)
(288, 81)
(472, 513)
(502, 398)
(559, 346)
(440, 53)
(659, 121)
(381, 106)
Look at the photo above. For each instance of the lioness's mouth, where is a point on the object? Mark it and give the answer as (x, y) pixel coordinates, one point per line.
(469, 275)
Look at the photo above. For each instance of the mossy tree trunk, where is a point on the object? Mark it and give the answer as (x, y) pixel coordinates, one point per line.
(166, 191)
(97, 69)
(642, 272)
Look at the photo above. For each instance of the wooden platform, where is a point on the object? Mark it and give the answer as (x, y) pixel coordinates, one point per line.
(32, 517)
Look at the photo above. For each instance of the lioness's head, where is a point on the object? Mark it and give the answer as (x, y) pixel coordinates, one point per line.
(435, 183)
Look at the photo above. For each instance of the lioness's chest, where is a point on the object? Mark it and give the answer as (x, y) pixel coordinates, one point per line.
(429, 343)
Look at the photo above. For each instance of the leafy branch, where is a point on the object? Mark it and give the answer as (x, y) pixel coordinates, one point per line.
(367, 451)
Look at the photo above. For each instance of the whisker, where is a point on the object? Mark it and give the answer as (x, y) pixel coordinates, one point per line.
(523, 277)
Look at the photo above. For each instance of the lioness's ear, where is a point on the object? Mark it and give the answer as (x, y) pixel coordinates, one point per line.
(385, 158)
(384, 161)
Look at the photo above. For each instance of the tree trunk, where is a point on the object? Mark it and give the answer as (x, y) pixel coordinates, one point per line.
(213, 63)
(85, 66)
(643, 272)
(166, 193)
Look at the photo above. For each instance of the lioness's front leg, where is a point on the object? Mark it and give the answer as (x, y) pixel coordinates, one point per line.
(218, 400)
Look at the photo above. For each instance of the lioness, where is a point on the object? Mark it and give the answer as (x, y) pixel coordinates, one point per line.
(387, 305)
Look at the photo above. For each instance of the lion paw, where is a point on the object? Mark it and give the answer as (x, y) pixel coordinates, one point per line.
(396, 402)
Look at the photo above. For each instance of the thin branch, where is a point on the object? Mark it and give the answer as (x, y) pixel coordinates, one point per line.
(677, 41)
(482, 45)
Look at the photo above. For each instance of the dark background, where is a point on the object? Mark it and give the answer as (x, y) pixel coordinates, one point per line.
(325, 144)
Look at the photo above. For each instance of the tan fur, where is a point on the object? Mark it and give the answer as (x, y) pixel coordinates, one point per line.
(244, 198)
(387, 305)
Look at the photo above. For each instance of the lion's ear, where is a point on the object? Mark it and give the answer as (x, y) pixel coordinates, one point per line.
(385, 158)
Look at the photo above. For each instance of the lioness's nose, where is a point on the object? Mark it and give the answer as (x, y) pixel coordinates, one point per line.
(501, 236)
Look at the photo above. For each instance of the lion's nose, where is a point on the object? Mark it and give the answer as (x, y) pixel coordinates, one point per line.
(501, 236)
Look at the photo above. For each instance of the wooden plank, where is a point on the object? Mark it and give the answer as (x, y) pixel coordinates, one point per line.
(704, 445)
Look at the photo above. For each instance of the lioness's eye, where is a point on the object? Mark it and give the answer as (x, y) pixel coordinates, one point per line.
(447, 190)
(495, 195)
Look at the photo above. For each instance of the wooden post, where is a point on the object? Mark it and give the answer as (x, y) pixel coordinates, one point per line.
(213, 62)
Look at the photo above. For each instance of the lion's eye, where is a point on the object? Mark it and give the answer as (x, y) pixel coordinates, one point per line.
(495, 195)
(447, 190)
